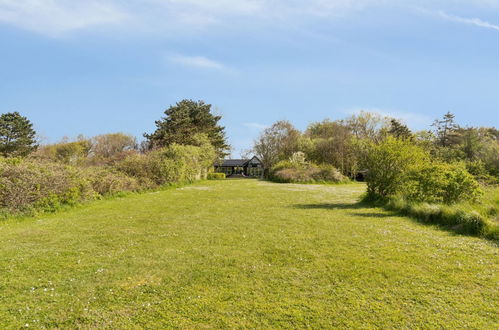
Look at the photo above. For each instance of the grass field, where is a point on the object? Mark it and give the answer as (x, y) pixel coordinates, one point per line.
(243, 253)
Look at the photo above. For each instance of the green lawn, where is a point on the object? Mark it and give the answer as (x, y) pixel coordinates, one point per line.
(243, 253)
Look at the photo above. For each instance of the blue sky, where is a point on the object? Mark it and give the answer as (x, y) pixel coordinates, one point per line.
(98, 66)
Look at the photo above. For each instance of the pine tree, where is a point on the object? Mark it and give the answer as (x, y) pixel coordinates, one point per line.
(17, 136)
(446, 130)
(399, 130)
(184, 121)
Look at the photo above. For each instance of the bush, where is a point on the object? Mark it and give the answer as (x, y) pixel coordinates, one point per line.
(173, 164)
(144, 168)
(27, 184)
(216, 176)
(388, 165)
(302, 172)
(106, 181)
(441, 183)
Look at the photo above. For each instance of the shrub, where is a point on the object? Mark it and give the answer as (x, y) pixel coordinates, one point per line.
(216, 176)
(143, 168)
(442, 183)
(73, 153)
(302, 172)
(388, 164)
(173, 164)
(27, 184)
(106, 181)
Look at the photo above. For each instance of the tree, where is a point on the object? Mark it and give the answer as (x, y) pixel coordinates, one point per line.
(183, 121)
(332, 144)
(276, 143)
(399, 130)
(110, 145)
(368, 125)
(446, 130)
(17, 136)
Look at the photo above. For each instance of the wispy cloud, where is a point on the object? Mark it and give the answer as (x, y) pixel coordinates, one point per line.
(199, 62)
(470, 21)
(57, 17)
(54, 18)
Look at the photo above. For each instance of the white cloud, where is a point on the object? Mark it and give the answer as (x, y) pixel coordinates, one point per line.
(199, 62)
(471, 21)
(58, 17)
(53, 17)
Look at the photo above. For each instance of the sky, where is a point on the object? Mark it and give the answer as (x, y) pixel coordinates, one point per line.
(100, 66)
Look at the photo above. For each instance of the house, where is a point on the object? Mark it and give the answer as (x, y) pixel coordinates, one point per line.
(245, 167)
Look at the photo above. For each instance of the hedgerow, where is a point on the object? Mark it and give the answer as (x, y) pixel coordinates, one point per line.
(38, 183)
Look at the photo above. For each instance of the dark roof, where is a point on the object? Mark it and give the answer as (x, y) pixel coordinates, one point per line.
(234, 162)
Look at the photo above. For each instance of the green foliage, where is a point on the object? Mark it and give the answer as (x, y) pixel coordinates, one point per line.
(461, 218)
(297, 170)
(17, 136)
(216, 176)
(72, 153)
(446, 130)
(60, 174)
(332, 142)
(368, 125)
(441, 183)
(399, 130)
(388, 165)
(277, 143)
(174, 164)
(30, 184)
(109, 148)
(107, 181)
(184, 121)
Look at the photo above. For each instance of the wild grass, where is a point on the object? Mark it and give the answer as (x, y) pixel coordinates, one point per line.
(243, 254)
(476, 218)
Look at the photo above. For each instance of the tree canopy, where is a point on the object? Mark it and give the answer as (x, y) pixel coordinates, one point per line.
(184, 121)
(17, 136)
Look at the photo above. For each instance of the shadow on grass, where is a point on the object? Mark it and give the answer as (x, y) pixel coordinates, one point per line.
(332, 206)
(453, 229)
(347, 206)
(374, 214)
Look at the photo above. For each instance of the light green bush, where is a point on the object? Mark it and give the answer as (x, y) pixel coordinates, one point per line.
(441, 183)
(173, 164)
(388, 165)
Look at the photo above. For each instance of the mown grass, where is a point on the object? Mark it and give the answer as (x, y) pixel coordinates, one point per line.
(243, 253)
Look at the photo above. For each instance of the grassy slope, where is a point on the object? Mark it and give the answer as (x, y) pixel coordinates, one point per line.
(243, 253)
